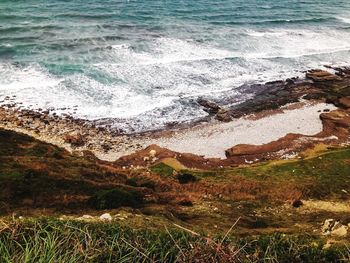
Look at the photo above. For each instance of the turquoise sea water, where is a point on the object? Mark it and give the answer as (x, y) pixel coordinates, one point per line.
(145, 62)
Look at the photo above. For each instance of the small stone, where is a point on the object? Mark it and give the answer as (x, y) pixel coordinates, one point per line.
(334, 228)
(106, 217)
(152, 153)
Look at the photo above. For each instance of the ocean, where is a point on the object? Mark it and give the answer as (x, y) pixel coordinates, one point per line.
(143, 64)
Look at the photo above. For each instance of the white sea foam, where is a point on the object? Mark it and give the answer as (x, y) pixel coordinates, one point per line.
(14, 79)
(7, 45)
(158, 83)
(171, 50)
(344, 19)
(294, 43)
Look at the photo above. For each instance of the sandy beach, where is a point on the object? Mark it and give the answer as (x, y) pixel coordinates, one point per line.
(211, 140)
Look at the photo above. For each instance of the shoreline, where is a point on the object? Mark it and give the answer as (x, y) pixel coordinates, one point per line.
(177, 140)
(270, 116)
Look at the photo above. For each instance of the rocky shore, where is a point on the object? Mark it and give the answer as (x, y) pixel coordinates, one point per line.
(160, 186)
(330, 90)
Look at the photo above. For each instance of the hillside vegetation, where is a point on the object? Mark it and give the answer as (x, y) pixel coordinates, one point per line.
(165, 212)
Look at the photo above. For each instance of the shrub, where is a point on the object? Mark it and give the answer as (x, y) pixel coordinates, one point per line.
(185, 178)
(114, 198)
(141, 182)
(162, 169)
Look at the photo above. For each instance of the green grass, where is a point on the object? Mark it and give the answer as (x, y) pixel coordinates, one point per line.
(162, 169)
(49, 240)
(324, 176)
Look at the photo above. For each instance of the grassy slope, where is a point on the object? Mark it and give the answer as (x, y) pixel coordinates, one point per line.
(38, 175)
(325, 175)
(261, 195)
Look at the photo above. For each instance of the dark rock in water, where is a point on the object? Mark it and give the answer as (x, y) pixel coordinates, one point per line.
(210, 106)
(171, 124)
(343, 71)
(276, 82)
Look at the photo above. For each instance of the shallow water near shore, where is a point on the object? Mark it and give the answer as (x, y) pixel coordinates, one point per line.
(145, 63)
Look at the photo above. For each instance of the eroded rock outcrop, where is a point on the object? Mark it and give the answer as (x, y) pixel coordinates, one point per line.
(319, 75)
